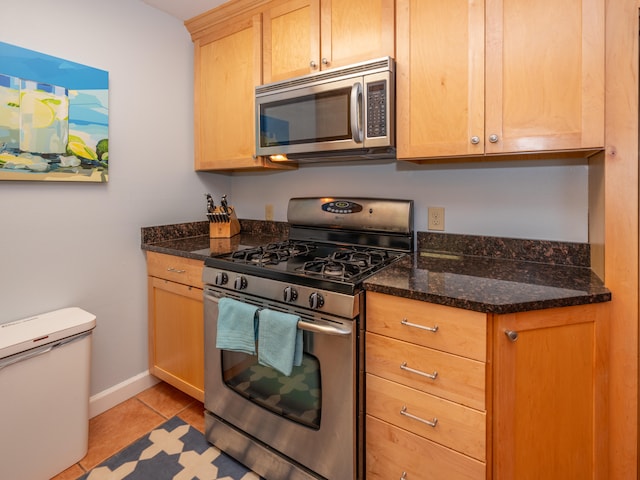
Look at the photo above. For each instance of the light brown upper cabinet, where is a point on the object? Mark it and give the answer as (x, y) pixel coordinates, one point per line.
(227, 69)
(306, 36)
(499, 77)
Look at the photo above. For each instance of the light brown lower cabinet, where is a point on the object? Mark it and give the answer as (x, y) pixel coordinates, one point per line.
(454, 394)
(549, 396)
(176, 327)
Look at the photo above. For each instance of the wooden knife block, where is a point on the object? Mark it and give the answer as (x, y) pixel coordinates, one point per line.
(226, 229)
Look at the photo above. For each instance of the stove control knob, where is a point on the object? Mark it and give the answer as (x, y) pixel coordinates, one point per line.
(316, 300)
(240, 283)
(221, 278)
(290, 294)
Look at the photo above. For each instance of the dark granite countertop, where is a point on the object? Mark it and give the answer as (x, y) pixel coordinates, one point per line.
(497, 283)
(191, 240)
(485, 274)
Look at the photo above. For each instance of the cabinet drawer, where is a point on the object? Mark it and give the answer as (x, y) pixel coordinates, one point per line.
(177, 269)
(458, 427)
(459, 379)
(459, 331)
(390, 451)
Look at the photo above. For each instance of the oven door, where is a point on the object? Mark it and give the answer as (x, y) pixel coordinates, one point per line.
(310, 416)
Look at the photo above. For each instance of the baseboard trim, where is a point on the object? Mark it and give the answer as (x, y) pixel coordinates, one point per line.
(112, 396)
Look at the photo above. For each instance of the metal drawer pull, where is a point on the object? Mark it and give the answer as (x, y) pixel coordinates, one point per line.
(175, 270)
(433, 329)
(404, 476)
(431, 423)
(432, 376)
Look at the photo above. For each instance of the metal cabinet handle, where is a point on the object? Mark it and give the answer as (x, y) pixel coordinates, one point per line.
(313, 64)
(325, 61)
(406, 323)
(432, 376)
(475, 140)
(175, 270)
(511, 335)
(431, 423)
(493, 138)
(404, 476)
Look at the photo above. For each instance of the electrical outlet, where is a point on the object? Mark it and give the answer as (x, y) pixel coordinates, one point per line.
(268, 212)
(436, 218)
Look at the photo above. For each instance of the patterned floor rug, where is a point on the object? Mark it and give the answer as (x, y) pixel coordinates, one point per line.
(173, 451)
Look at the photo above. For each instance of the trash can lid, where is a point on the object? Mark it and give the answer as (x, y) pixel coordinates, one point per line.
(28, 333)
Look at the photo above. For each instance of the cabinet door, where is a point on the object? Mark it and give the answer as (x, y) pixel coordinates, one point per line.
(227, 69)
(545, 75)
(291, 39)
(354, 31)
(176, 335)
(549, 394)
(440, 78)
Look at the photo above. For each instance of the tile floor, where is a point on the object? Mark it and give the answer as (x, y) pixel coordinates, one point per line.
(123, 424)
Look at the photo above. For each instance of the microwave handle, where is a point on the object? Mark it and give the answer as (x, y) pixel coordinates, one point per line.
(356, 112)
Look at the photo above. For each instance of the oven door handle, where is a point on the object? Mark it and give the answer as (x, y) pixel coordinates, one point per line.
(302, 325)
(325, 329)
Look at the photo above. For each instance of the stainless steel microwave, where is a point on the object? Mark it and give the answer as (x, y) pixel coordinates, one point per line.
(346, 112)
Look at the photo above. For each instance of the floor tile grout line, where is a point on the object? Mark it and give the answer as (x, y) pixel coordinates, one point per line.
(182, 409)
(145, 404)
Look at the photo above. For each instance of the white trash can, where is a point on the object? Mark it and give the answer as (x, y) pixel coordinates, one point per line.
(44, 393)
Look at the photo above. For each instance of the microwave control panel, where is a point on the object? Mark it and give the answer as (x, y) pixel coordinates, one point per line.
(377, 109)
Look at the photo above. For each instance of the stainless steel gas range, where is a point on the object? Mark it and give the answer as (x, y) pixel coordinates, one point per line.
(306, 425)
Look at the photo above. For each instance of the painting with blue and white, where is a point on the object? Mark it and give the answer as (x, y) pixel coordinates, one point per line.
(54, 118)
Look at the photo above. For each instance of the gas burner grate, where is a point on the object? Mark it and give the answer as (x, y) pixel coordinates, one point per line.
(272, 253)
(363, 258)
(326, 268)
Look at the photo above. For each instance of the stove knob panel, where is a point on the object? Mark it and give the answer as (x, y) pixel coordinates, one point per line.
(316, 300)
(240, 283)
(290, 294)
(221, 278)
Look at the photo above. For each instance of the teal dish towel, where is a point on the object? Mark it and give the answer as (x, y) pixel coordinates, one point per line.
(236, 326)
(279, 341)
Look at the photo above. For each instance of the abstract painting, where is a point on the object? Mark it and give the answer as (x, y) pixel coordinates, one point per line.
(54, 118)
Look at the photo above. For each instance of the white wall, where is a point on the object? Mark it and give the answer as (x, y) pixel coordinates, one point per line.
(544, 200)
(73, 244)
(69, 244)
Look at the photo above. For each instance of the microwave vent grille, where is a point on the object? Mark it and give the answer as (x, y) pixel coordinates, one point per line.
(374, 66)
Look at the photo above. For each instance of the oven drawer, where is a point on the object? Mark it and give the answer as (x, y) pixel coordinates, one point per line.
(459, 331)
(187, 271)
(458, 379)
(458, 427)
(392, 451)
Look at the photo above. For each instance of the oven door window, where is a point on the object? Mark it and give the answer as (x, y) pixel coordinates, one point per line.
(296, 397)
